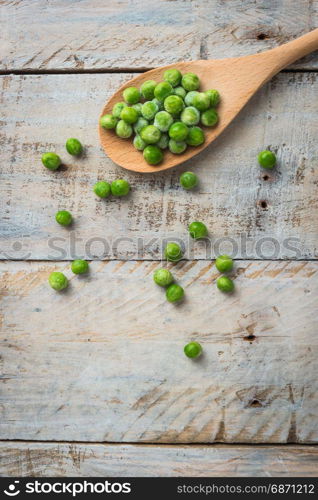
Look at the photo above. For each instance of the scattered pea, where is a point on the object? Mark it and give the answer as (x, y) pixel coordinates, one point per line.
(149, 110)
(190, 116)
(173, 252)
(150, 134)
(131, 95)
(79, 266)
(162, 90)
(198, 230)
(153, 154)
(58, 280)
(124, 130)
(201, 101)
(102, 189)
(192, 350)
(177, 147)
(225, 284)
(52, 161)
(178, 131)
(163, 121)
(209, 118)
(147, 89)
(174, 293)
(139, 143)
(120, 187)
(195, 136)
(108, 122)
(117, 109)
(188, 180)
(267, 159)
(63, 217)
(214, 96)
(74, 147)
(162, 277)
(172, 76)
(224, 263)
(129, 115)
(190, 81)
(173, 104)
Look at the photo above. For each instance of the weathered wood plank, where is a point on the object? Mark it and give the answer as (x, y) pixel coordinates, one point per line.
(58, 460)
(104, 361)
(139, 34)
(40, 112)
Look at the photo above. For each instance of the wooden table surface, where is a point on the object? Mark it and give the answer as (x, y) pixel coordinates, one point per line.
(94, 381)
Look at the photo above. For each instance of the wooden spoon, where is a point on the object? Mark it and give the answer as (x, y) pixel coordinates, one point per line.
(237, 79)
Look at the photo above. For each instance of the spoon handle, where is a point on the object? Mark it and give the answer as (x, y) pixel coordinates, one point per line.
(286, 54)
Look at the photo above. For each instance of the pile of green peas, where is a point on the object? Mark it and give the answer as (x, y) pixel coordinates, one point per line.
(164, 115)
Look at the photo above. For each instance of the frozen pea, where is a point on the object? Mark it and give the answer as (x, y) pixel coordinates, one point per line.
(162, 90)
(209, 118)
(152, 154)
(201, 101)
(195, 136)
(189, 97)
(190, 116)
(129, 115)
(214, 96)
(147, 89)
(159, 103)
(137, 107)
(140, 124)
(108, 121)
(163, 141)
(177, 147)
(117, 109)
(178, 131)
(123, 129)
(172, 76)
(149, 110)
(173, 104)
(163, 121)
(150, 134)
(131, 95)
(180, 91)
(139, 143)
(190, 81)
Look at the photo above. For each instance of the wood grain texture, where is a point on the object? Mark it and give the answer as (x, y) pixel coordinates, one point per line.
(256, 211)
(104, 362)
(137, 34)
(80, 460)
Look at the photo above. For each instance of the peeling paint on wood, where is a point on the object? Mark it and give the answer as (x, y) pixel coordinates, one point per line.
(104, 360)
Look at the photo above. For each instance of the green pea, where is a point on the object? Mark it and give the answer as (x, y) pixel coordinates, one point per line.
(139, 143)
(159, 103)
(267, 159)
(58, 280)
(131, 95)
(150, 134)
(190, 116)
(178, 131)
(188, 180)
(214, 97)
(153, 155)
(63, 217)
(147, 89)
(117, 109)
(108, 121)
(189, 97)
(73, 147)
(173, 104)
(224, 263)
(195, 136)
(102, 189)
(162, 277)
(124, 130)
(163, 141)
(137, 107)
(140, 124)
(225, 284)
(180, 91)
(201, 101)
(190, 81)
(120, 187)
(209, 118)
(173, 252)
(174, 293)
(198, 230)
(172, 76)
(162, 90)
(79, 266)
(52, 161)
(149, 110)
(177, 147)
(163, 121)
(129, 115)
(192, 350)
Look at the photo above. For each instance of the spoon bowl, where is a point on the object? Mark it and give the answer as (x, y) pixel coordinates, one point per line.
(237, 80)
